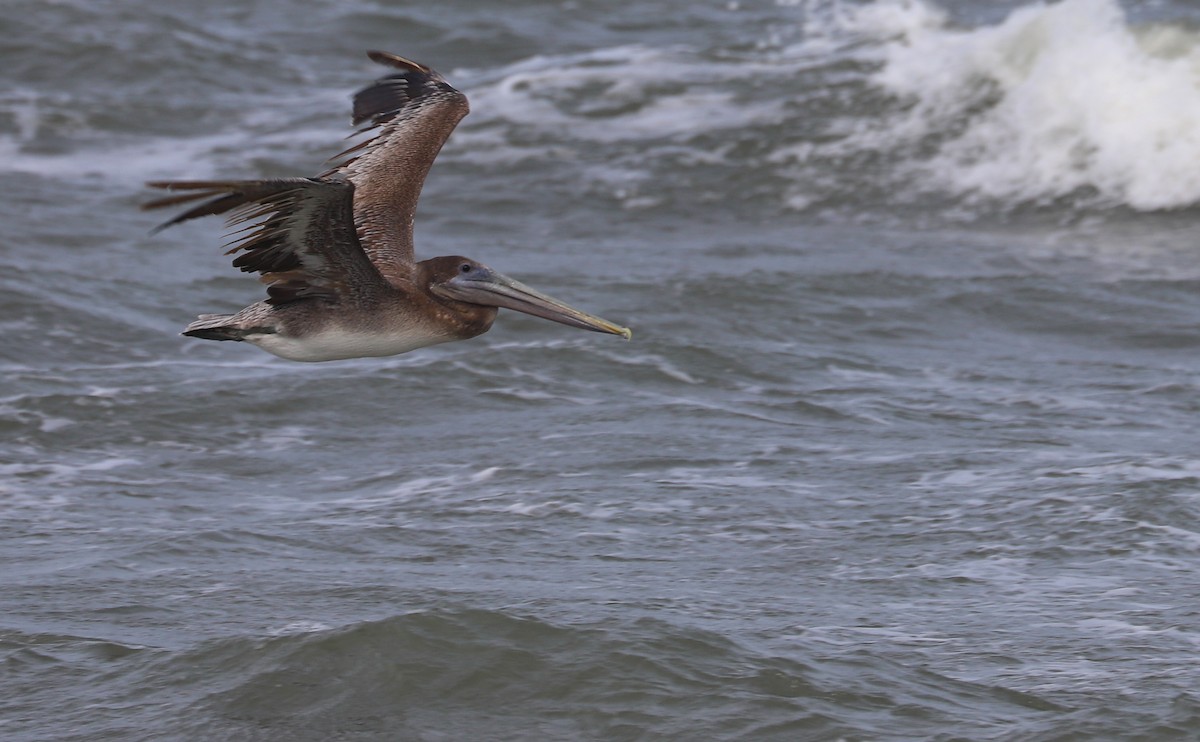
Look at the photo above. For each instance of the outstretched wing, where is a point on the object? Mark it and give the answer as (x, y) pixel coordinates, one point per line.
(414, 112)
(302, 235)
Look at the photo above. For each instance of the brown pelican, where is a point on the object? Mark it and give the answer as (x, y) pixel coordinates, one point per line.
(336, 251)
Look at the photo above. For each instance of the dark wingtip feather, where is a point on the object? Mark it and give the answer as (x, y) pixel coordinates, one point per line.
(395, 60)
(218, 196)
(218, 201)
(380, 101)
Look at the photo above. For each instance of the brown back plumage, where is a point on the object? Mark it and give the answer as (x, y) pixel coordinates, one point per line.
(349, 231)
(414, 110)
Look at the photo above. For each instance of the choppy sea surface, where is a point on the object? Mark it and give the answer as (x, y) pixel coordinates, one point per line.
(904, 446)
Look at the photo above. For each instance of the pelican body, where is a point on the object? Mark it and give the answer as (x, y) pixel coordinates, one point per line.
(336, 251)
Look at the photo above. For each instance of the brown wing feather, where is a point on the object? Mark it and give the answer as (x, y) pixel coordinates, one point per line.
(301, 234)
(414, 111)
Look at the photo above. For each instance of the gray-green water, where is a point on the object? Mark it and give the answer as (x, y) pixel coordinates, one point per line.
(904, 446)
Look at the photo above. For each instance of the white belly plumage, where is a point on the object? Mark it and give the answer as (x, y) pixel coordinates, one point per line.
(336, 344)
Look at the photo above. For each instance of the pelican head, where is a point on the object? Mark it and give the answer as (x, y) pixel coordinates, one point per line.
(458, 279)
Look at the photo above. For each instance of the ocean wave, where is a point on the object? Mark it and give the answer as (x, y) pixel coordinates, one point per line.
(885, 101)
(1068, 100)
(840, 106)
(453, 673)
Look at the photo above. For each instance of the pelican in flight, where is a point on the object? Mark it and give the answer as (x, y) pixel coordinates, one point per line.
(336, 251)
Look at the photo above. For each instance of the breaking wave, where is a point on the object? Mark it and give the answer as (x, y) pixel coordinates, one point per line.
(842, 106)
(1055, 100)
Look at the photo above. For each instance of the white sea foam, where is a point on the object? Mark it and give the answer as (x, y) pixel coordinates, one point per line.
(1054, 99)
(1057, 100)
(296, 628)
(148, 159)
(128, 160)
(1068, 99)
(619, 94)
(441, 484)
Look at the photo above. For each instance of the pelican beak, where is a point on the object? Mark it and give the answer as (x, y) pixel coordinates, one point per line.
(493, 289)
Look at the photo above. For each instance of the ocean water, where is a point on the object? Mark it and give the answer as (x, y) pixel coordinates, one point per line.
(904, 446)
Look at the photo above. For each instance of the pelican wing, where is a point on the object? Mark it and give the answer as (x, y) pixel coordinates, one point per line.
(414, 112)
(301, 235)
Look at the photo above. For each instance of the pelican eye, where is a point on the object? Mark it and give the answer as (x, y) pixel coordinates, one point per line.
(464, 268)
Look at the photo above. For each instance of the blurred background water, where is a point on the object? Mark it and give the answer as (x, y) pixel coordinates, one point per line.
(904, 446)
